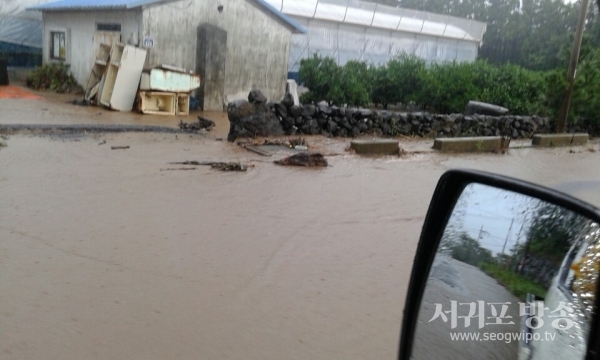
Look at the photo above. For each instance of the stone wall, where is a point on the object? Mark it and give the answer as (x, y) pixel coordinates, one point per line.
(255, 117)
(340, 121)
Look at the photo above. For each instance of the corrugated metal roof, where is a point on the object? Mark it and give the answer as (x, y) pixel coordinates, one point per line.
(297, 28)
(92, 4)
(130, 4)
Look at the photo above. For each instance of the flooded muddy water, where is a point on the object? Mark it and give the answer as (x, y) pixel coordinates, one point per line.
(104, 255)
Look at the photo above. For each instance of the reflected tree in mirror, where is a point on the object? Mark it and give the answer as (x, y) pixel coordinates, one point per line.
(514, 277)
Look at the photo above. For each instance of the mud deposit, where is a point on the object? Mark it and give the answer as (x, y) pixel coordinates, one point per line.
(105, 256)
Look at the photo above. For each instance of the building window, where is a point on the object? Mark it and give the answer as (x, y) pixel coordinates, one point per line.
(58, 45)
(108, 27)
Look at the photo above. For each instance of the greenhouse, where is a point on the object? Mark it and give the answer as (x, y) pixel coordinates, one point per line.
(20, 34)
(356, 30)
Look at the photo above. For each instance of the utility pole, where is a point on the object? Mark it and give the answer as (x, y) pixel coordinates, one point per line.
(505, 241)
(480, 233)
(561, 121)
(516, 248)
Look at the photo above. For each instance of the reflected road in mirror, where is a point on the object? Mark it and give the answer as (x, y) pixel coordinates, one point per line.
(513, 278)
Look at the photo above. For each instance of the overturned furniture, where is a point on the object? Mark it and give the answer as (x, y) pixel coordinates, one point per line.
(115, 76)
(165, 90)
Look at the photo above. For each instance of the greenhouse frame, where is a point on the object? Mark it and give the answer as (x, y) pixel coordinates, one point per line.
(357, 30)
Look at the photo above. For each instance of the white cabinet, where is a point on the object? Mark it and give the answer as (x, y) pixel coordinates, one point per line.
(122, 77)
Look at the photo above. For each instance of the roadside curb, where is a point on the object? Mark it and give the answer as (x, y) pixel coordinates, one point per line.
(552, 140)
(470, 144)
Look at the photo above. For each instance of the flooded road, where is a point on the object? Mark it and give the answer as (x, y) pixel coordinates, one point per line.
(105, 256)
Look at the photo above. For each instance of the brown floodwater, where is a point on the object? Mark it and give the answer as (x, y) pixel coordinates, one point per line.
(104, 254)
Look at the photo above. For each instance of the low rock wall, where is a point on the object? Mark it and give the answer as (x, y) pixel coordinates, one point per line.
(352, 122)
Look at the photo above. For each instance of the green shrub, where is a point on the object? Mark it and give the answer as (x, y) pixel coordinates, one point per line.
(585, 103)
(447, 87)
(511, 86)
(338, 85)
(397, 81)
(53, 77)
(355, 84)
(322, 76)
(517, 284)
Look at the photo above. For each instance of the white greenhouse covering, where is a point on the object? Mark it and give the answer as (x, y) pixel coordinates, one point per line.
(18, 26)
(355, 30)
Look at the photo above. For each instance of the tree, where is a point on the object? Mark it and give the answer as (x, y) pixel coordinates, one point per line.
(398, 81)
(322, 76)
(532, 33)
(552, 232)
(466, 249)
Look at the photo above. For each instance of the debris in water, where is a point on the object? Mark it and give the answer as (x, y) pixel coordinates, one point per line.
(119, 147)
(222, 166)
(290, 143)
(82, 102)
(102, 142)
(174, 169)
(202, 123)
(255, 150)
(304, 159)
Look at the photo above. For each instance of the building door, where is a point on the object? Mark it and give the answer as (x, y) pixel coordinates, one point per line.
(211, 54)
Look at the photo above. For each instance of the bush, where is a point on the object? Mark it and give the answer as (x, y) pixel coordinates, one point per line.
(322, 76)
(53, 77)
(397, 81)
(511, 86)
(337, 85)
(448, 87)
(355, 84)
(585, 103)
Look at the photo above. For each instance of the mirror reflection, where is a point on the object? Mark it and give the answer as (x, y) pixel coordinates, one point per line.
(513, 278)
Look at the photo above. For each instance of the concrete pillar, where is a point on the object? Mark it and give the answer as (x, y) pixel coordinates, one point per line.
(211, 53)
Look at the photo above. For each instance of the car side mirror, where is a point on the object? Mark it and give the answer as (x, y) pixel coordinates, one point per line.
(504, 269)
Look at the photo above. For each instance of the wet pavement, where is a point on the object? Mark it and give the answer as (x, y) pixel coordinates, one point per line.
(105, 255)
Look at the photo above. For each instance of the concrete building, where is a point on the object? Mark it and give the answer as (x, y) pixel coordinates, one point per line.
(358, 30)
(235, 45)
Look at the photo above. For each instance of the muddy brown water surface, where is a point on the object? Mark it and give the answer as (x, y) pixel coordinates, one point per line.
(104, 255)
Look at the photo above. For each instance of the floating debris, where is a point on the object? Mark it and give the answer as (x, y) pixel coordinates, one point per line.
(175, 169)
(201, 124)
(304, 159)
(222, 166)
(255, 150)
(290, 143)
(119, 147)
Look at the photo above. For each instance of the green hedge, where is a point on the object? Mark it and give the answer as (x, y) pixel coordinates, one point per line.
(448, 87)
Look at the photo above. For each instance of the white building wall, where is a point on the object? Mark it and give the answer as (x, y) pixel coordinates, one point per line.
(257, 43)
(80, 27)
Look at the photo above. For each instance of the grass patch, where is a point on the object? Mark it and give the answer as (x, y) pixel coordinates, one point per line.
(517, 284)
